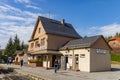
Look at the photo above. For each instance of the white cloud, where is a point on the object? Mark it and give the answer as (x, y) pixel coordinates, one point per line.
(109, 30)
(22, 1)
(21, 31)
(33, 7)
(106, 30)
(14, 21)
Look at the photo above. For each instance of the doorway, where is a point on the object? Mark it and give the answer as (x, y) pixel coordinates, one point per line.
(76, 61)
(53, 59)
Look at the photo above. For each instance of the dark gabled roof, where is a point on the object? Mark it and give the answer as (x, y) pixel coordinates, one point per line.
(56, 27)
(19, 52)
(81, 43)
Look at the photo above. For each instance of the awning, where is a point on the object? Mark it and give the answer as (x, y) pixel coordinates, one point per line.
(46, 52)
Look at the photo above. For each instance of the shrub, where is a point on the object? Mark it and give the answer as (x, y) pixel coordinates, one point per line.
(17, 63)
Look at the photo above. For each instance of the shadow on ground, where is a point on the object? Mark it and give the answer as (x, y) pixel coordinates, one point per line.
(115, 69)
(6, 71)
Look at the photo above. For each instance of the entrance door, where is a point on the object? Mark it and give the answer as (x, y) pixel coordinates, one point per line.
(53, 59)
(76, 62)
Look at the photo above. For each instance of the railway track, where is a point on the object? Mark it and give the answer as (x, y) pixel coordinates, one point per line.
(16, 77)
(9, 74)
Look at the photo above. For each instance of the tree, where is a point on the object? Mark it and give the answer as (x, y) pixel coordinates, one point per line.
(16, 43)
(9, 48)
(0, 54)
(117, 34)
(108, 38)
(22, 45)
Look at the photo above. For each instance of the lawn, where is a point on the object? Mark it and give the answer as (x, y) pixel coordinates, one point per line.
(115, 57)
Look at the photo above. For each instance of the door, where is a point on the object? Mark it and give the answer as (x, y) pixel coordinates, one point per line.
(76, 61)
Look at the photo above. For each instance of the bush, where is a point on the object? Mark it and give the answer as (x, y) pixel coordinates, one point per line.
(17, 63)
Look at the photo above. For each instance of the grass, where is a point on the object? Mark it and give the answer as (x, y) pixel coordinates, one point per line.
(115, 57)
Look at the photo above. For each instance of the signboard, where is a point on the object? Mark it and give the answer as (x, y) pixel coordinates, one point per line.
(102, 51)
(42, 48)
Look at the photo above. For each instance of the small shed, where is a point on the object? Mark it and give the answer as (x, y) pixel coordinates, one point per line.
(21, 55)
(88, 54)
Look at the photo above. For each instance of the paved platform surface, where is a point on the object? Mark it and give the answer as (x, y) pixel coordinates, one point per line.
(69, 75)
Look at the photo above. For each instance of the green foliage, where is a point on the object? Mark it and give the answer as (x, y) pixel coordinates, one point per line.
(13, 45)
(16, 43)
(117, 34)
(115, 57)
(1, 56)
(109, 37)
(35, 61)
(23, 46)
(9, 48)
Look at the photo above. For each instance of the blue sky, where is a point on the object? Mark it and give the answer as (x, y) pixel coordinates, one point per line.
(89, 17)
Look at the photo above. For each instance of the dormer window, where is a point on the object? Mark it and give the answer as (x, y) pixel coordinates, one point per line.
(39, 30)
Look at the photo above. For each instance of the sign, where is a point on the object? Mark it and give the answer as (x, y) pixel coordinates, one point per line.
(102, 51)
(42, 48)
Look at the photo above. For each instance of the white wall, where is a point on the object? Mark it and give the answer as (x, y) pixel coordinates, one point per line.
(84, 63)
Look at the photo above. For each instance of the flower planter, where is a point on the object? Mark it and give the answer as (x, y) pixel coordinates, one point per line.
(32, 64)
(35, 64)
(39, 64)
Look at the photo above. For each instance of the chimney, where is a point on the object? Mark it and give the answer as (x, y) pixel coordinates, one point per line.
(63, 21)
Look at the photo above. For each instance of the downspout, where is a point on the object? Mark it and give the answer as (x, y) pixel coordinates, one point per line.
(73, 61)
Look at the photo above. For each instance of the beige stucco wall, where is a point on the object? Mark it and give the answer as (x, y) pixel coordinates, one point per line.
(92, 61)
(24, 57)
(114, 44)
(42, 31)
(84, 63)
(40, 35)
(45, 64)
(52, 42)
(17, 57)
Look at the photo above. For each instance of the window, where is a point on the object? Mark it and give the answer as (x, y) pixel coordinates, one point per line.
(42, 41)
(32, 45)
(36, 44)
(39, 30)
(82, 55)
